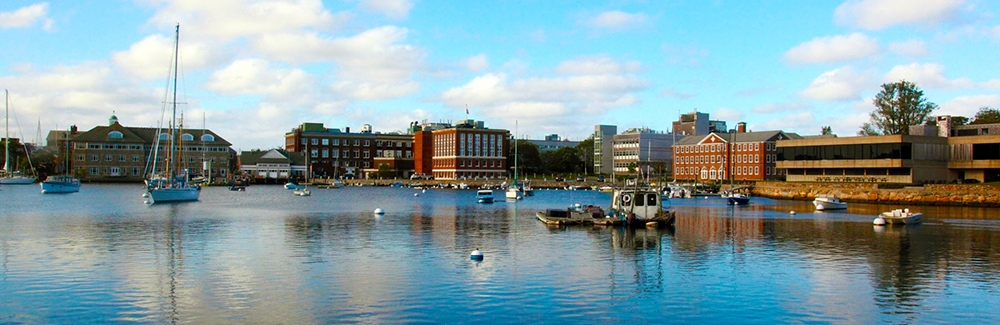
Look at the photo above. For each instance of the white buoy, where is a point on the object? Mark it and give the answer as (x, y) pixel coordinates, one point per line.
(792, 213)
(423, 191)
(145, 194)
(416, 194)
(476, 255)
(379, 211)
(148, 202)
(879, 221)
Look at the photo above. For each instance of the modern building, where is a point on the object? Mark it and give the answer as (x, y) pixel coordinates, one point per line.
(604, 157)
(738, 156)
(648, 151)
(552, 142)
(466, 150)
(865, 159)
(116, 153)
(272, 166)
(696, 123)
(332, 152)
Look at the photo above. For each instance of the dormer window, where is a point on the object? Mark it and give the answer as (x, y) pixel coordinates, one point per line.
(187, 137)
(115, 135)
(207, 138)
(164, 136)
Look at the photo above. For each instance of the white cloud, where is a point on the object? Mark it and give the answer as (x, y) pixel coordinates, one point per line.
(596, 65)
(617, 20)
(373, 91)
(150, 58)
(395, 9)
(477, 63)
(256, 77)
(728, 114)
(910, 48)
(799, 122)
(231, 19)
(833, 49)
(838, 84)
(26, 16)
(968, 105)
(879, 14)
(928, 75)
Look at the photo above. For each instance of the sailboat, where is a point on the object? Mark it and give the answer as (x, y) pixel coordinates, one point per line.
(513, 192)
(11, 177)
(174, 186)
(65, 183)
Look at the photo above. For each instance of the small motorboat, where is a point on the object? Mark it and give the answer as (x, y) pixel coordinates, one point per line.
(290, 186)
(574, 215)
(829, 203)
(302, 191)
(899, 216)
(484, 196)
(738, 199)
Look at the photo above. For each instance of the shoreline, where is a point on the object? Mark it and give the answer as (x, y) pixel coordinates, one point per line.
(971, 195)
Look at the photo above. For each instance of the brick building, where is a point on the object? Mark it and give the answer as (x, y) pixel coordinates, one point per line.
(335, 153)
(466, 150)
(739, 156)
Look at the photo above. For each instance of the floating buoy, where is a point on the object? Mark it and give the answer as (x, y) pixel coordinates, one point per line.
(148, 202)
(879, 221)
(379, 211)
(476, 255)
(416, 194)
(792, 213)
(423, 191)
(145, 194)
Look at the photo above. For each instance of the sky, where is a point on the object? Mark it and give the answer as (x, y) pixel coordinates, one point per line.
(252, 70)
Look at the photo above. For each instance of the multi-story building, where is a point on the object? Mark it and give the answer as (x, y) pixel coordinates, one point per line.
(335, 153)
(116, 153)
(604, 157)
(466, 150)
(552, 142)
(739, 156)
(647, 150)
(695, 123)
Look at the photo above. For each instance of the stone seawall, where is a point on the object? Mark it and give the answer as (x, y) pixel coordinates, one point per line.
(931, 194)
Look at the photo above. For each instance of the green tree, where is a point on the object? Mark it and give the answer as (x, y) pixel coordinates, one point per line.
(827, 130)
(897, 106)
(586, 149)
(563, 160)
(528, 158)
(986, 115)
(384, 171)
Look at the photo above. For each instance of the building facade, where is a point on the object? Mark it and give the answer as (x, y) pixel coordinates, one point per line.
(604, 158)
(739, 156)
(467, 150)
(330, 152)
(116, 153)
(273, 166)
(865, 159)
(647, 150)
(695, 123)
(552, 142)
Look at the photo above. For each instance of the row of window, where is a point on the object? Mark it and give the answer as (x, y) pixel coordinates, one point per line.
(740, 159)
(133, 146)
(468, 163)
(356, 142)
(115, 171)
(137, 158)
(164, 136)
(719, 147)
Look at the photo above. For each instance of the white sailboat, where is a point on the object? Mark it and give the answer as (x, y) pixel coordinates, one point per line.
(64, 183)
(9, 176)
(513, 192)
(174, 186)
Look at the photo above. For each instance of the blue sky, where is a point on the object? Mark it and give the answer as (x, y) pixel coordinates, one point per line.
(256, 69)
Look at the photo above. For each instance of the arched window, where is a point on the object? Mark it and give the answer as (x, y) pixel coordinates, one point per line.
(208, 138)
(164, 136)
(115, 135)
(187, 137)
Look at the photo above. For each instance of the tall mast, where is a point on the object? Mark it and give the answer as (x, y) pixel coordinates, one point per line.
(173, 117)
(6, 128)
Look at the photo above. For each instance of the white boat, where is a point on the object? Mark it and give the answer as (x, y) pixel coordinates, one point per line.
(302, 191)
(513, 192)
(65, 183)
(636, 206)
(829, 203)
(484, 196)
(737, 199)
(8, 176)
(290, 186)
(174, 186)
(899, 216)
(576, 215)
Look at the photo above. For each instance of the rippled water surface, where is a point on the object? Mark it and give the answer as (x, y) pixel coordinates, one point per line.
(265, 256)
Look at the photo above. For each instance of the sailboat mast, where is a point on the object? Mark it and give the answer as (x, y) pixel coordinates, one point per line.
(6, 128)
(173, 117)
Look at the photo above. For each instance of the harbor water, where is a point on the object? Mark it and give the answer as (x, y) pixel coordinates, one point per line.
(266, 256)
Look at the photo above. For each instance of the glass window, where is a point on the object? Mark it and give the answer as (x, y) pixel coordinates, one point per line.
(207, 138)
(115, 135)
(187, 137)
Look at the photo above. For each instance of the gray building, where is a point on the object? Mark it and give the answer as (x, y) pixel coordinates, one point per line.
(650, 150)
(604, 148)
(552, 142)
(696, 123)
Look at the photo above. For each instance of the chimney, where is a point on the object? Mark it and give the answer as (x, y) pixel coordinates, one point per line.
(347, 129)
(741, 127)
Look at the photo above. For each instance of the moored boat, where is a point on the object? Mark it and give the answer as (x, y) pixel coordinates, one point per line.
(576, 215)
(484, 196)
(829, 203)
(302, 191)
(60, 184)
(899, 216)
(737, 199)
(637, 206)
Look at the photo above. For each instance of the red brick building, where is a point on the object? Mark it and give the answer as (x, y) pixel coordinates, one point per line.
(467, 150)
(740, 156)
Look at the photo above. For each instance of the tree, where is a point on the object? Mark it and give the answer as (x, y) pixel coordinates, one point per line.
(563, 160)
(384, 171)
(586, 149)
(897, 106)
(827, 130)
(528, 158)
(986, 115)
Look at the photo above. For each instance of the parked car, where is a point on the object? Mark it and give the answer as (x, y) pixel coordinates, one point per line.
(579, 178)
(600, 178)
(559, 179)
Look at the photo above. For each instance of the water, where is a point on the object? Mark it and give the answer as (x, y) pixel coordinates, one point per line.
(265, 256)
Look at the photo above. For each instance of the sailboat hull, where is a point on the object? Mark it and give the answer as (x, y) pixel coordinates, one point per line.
(17, 180)
(60, 186)
(161, 195)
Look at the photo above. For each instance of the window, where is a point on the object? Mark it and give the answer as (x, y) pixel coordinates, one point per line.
(109, 158)
(164, 136)
(357, 142)
(367, 143)
(187, 137)
(314, 141)
(115, 135)
(207, 138)
(121, 158)
(326, 142)
(81, 158)
(336, 142)
(95, 171)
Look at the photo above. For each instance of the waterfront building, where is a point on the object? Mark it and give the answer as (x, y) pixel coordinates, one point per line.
(331, 152)
(552, 142)
(647, 150)
(865, 159)
(737, 156)
(466, 150)
(604, 157)
(116, 153)
(696, 123)
(272, 166)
